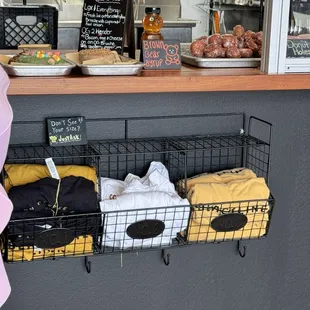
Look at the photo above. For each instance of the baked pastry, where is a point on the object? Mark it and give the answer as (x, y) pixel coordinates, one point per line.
(99, 54)
(33, 57)
(239, 44)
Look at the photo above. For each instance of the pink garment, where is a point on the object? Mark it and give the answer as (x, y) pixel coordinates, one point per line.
(6, 116)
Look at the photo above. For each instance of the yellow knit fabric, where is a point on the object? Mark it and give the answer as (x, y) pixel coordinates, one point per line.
(224, 176)
(79, 246)
(223, 193)
(21, 174)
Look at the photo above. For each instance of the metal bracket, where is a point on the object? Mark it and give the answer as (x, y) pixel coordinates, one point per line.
(87, 264)
(242, 254)
(166, 258)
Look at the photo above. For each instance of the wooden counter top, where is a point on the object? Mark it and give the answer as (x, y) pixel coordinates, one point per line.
(189, 79)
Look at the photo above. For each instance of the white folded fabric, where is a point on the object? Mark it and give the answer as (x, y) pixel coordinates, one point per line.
(142, 199)
(111, 188)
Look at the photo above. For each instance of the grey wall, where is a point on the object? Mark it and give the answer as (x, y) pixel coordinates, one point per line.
(275, 273)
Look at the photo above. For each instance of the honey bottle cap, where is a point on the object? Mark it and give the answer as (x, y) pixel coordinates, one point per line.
(150, 10)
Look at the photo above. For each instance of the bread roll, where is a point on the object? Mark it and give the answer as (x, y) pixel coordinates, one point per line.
(246, 52)
(238, 31)
(197, 48)
(212, 51)
(215, 39)
(233, 52)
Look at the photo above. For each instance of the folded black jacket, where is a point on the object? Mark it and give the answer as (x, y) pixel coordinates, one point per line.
(36, 209)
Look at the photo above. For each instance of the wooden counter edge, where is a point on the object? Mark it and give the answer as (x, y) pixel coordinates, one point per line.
(158, 82)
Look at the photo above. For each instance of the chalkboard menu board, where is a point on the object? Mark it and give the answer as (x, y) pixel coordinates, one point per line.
(298, 48)
(158, 54)
(67, 131)
(103, 24)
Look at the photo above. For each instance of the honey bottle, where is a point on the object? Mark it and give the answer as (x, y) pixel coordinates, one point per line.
(152, 24)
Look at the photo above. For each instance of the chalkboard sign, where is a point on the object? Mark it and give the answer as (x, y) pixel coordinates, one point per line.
(229, 222)
(298, 48)
(103, 24)
(54, 238)
(67, 131)
(159, 54)
(145, 229)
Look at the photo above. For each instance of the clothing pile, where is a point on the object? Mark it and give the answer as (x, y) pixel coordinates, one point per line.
(229, 191)
(42, 203)
(135, 199)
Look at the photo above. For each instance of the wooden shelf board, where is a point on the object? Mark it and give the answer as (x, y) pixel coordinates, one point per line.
(189, 79)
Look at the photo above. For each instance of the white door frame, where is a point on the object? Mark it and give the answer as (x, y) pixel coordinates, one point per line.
(276, 23)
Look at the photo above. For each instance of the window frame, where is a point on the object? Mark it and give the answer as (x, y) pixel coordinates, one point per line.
(276, 23)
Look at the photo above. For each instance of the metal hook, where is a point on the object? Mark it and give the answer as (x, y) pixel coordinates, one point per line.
(166, 258)
(87, 264)
(244, 250)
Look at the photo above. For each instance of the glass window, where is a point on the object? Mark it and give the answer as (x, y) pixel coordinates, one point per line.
(286, 46)
(298, 40)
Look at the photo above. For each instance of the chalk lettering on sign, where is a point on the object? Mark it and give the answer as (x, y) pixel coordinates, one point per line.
(151, 63)
(153, 44)
(70, 138)
(67, 131)
(158, 54)
(172, 55)
(298, 48)
(103, 24)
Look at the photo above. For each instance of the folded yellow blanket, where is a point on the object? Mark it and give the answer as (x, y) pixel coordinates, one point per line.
(21, 174)
(79, 246)
(223, 193)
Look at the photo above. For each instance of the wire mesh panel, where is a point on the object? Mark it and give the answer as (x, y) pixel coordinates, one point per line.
(138, 229)
(238, 220)
(226, 184)
(64, 155)
(211, 219)
(154, 193)
(52, 218)
(143, 217)
(215, 153)
(52, 237)
(118, 158)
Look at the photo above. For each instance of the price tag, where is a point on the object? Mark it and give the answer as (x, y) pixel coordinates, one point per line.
(52, 168)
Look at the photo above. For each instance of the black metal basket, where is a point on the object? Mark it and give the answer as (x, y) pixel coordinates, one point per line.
(43, 29)
(150, 227)
(52, 237)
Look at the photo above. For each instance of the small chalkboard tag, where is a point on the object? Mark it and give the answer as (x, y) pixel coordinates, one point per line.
(298, 48)
(161, 55)
(54, 238)
(67, 131)
(229, 222)
(103, 24)
(145, 229)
